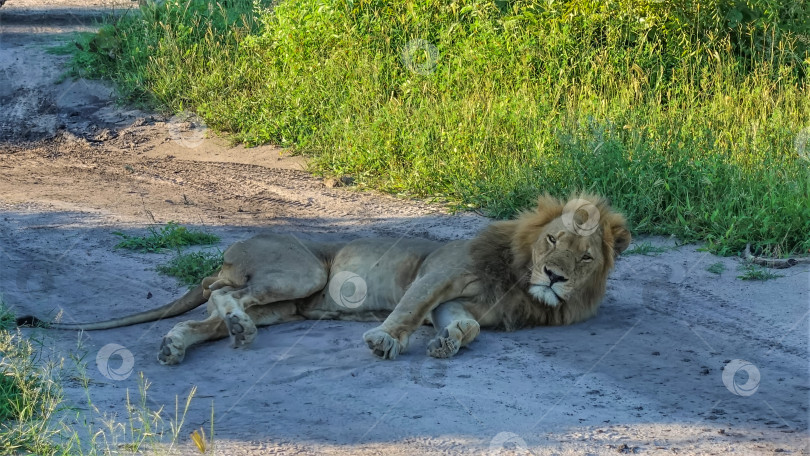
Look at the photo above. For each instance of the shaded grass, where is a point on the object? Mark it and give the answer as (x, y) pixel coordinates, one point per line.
(690, 120)
(716, 268)
(171, 236)
(645, 248)
(754, 272)
(190, 268)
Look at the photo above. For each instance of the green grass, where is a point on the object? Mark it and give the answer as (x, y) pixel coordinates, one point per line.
(686, 118)
(7, 320)
(716, 268)
(754, 272)
(36, 418)
(645, 248)
(29, 395)
(191, 268)
(188, 268)
(171, 236)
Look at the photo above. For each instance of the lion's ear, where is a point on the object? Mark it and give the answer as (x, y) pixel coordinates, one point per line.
(621, 235)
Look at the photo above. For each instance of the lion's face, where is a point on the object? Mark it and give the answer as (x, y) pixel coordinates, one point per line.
(564, 262)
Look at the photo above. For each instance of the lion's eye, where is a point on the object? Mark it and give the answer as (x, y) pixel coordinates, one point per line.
(552, 240)
(587, 257)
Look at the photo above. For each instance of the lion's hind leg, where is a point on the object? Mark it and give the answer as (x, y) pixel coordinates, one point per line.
(234, 306)
(241, 328)
(456, 328)
(262, 271)
(187, 333)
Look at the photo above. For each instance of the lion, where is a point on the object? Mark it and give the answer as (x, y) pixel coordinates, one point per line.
(549, 266)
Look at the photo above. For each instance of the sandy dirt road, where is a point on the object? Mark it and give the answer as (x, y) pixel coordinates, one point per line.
(646, 376)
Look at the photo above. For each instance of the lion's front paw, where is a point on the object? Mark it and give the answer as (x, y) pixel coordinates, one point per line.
(241, 328)
(443, 346)
(171, 352)
(383, 344)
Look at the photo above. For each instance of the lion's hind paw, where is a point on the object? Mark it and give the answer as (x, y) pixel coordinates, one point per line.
(171, 352)
(241, 328)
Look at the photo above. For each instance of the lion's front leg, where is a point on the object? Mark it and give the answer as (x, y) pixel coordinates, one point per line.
(391, 338)
(384, 345)
(456, 327)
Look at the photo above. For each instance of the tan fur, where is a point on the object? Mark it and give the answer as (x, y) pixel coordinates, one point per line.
(549, 266)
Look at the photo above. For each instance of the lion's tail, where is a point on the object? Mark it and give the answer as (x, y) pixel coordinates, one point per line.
(193, 299)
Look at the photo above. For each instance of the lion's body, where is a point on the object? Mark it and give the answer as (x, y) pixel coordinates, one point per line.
(540, 269)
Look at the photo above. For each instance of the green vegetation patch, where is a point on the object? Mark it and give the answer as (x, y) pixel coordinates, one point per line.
(754, 272)
(171, 236)
(191, 268)
(645, 248)
(716, 268)
(692, 120)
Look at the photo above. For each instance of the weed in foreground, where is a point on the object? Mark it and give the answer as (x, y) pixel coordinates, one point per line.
(6, 317)
(30, 395)
(36, 418)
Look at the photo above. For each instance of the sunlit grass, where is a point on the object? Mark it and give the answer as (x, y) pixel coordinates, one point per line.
(690, 128)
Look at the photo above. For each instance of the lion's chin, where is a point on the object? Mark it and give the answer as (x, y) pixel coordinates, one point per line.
(545, 295)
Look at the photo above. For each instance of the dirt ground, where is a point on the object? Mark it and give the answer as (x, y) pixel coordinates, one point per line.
(653, 373)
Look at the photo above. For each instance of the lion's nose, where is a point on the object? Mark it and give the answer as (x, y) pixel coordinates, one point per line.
(553, 277)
